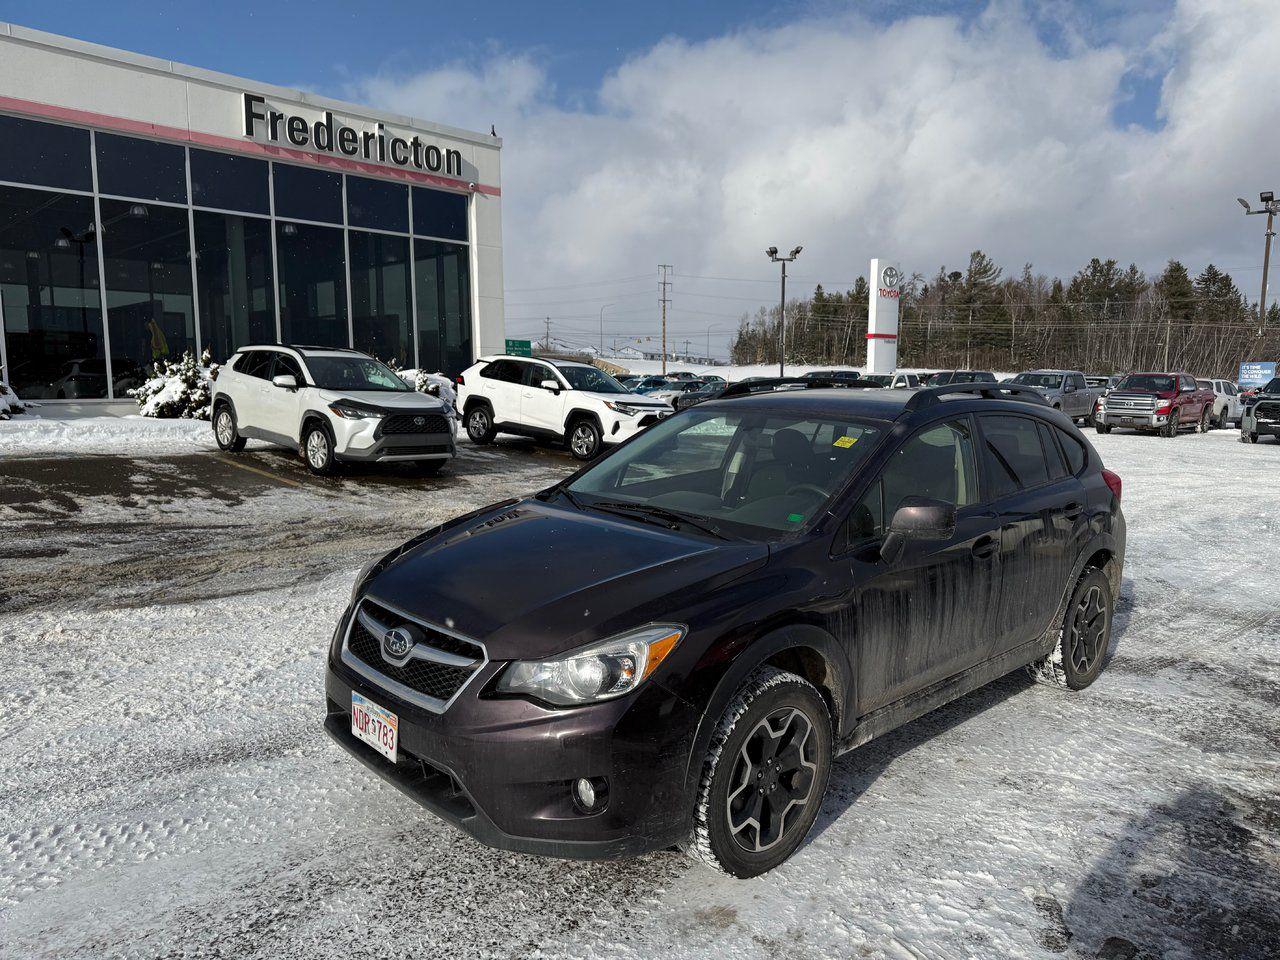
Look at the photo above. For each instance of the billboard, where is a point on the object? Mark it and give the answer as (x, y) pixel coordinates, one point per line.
(1256, 373)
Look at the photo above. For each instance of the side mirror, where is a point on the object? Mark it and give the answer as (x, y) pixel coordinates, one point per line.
(919, 519)
(550, 385)
(286, 380)
(1069, 388)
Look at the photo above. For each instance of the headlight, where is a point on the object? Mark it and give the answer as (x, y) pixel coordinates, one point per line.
(605, 670)
(623, 408)
(350, 411)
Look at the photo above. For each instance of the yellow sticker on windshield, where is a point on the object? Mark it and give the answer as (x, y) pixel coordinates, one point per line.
(845, 442)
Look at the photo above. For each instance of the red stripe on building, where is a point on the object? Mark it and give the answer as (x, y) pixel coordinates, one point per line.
(124, 125)
(882, 336)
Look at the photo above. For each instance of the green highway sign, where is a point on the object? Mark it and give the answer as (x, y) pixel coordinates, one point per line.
(520, 348)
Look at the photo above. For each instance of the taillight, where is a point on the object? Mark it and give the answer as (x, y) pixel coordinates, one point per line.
(1113, 483)
(461, 382)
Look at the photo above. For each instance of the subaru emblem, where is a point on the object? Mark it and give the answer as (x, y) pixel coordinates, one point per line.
(397, 643)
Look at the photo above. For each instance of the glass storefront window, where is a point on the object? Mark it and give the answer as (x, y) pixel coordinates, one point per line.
(306, 194)
(377, 204)
(234, 282)
(442, 278)
(230, 183)
(46, 154)
(150, 309)
(129, 167)
(49, 295)
(439, 214)
(380, 302)
(312, 284)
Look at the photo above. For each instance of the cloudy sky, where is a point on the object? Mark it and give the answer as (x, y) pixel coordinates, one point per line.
(698, 134)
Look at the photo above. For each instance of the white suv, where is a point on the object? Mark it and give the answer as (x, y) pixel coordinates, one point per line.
(552, 399)
(1227, 405)
(331, 405)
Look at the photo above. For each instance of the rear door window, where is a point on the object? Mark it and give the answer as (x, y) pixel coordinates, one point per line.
(1013, 454)
(504, 370)
(256, 363)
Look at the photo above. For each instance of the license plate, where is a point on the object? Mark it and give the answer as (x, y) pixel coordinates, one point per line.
(1133, 421)
(375, 725)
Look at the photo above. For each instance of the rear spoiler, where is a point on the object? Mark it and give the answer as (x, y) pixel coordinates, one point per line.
(772, 384)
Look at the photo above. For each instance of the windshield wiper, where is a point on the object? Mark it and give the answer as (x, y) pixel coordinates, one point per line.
(673, 517)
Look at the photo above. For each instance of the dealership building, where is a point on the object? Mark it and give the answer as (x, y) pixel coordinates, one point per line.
(149, 208)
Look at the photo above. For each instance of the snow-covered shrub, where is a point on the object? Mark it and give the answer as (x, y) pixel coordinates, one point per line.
(9, 402)
(436, 384)
(178, 390)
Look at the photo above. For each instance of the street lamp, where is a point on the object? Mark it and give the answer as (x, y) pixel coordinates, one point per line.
(772, 253)
(602, 309)
(1270, 207)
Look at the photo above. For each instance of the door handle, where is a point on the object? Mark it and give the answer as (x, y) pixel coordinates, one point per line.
(985, 547)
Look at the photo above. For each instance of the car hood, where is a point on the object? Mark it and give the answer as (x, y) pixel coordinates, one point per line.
(387, 399)
(534, 579)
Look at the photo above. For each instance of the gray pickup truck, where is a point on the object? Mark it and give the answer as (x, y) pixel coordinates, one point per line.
(1066, 390)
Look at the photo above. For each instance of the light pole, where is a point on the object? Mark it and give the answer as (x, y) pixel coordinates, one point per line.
(711, 327)
(1270, 207)
(782, 313)
(602, 309)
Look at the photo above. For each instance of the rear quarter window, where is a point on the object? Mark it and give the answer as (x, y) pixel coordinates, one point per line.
(1074, 450)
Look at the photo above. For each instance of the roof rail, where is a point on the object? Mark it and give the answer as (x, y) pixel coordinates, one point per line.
(927, 396)
(770, 384)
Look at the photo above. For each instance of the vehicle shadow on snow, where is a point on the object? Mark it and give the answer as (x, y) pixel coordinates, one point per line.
(1196, 876)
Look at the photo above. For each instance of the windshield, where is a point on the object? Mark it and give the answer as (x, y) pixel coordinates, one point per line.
(1147, 381)
(758, 474)
(884, 379)
(354, 373)
(1273, 386)
(591, 379)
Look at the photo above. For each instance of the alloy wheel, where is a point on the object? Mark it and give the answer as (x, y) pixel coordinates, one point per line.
(477, 423)
(583, 440)
(773, 779)
(317, 449)
(1088, 637)
(226, 430)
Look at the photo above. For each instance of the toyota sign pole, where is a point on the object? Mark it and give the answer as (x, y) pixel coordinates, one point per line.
(882, 317)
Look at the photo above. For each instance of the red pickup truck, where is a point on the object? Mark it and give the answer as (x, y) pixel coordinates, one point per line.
(1162, 402)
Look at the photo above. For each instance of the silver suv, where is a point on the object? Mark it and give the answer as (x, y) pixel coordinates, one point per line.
(331, 405)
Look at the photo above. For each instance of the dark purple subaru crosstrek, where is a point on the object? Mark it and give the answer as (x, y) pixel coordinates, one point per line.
(669, 647)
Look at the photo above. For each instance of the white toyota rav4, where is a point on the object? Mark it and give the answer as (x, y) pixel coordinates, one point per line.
(552, 399)
(331, 405)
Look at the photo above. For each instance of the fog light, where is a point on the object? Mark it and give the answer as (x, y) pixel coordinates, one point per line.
(585, 793)
(590, 795)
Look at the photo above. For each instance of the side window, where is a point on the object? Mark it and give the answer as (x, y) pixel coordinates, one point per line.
(287, 364)
(1232, 390)
(256, 363)
(866, 519)
(1057, 469)
(937, 463)
(505, 370)
(535, 373)
(1078, 381)
(1076, 456)
(1187, 383)
(1013, 454)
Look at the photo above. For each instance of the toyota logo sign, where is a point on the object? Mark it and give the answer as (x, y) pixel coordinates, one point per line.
(419, 421)
(891, 277)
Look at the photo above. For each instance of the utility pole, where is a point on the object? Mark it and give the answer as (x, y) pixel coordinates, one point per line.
(1168, 332)
(664, 267)
(546, 338)
(772, 254)
(1270, 206)
(602, 309)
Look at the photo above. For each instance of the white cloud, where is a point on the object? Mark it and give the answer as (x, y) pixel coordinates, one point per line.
(923, 139)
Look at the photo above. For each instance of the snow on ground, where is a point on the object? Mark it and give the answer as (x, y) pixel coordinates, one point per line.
(166, 789)
(48, 433)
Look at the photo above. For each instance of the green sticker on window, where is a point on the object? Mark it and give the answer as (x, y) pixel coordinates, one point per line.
(795, 518)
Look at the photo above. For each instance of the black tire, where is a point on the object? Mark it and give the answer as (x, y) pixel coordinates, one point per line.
(317, 449)
(1223, 422)
(1170, 428)
(737, 827)
(1084, 636)
(1252, 437)
(1203, 425)
(480, 424)
(224, 429)
(1103, 428)
(584, 439)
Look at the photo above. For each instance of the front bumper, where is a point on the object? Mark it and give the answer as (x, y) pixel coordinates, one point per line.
(426, 446)
(1267, 425)
(502, 770)
(624, 428)
(1133, 420)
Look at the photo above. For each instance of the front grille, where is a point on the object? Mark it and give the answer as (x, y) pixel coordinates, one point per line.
(1130, 403)
(409, 423)
(439, 681)
(1268, 411)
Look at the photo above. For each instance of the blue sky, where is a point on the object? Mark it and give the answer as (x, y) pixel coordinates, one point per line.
(321, 44)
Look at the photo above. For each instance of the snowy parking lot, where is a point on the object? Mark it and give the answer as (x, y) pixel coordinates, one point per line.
(166, 789)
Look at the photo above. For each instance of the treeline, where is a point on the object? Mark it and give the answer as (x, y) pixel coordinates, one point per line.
(1105, 319)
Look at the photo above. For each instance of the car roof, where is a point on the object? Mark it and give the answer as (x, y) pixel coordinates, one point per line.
(884, 405)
